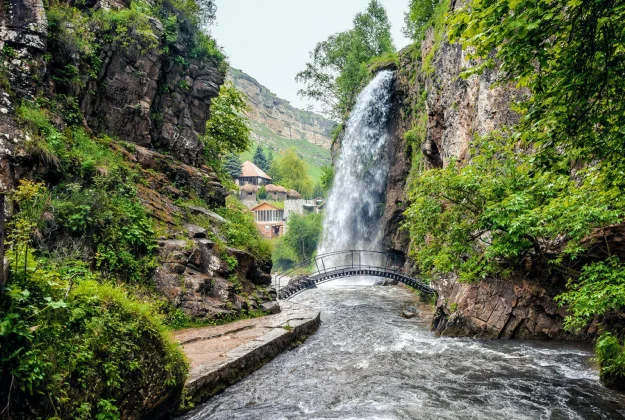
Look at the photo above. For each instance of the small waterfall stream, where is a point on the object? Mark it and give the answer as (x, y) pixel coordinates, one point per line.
(356, 199)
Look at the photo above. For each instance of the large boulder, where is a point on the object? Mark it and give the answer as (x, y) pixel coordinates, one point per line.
(198, 279)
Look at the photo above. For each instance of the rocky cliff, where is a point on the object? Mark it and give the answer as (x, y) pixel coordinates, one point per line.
(436, 115)
(279, 116)
(149, 92)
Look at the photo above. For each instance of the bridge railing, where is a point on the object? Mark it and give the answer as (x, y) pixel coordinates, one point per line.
(348, 259)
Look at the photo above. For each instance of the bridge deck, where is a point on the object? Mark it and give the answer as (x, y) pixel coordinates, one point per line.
(334, 273)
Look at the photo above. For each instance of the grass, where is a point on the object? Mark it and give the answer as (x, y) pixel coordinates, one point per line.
(186, 322)
(315, 156)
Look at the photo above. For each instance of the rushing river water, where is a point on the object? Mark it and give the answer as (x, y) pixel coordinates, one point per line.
(366, 362)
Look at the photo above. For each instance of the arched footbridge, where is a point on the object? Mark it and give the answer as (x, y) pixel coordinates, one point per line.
(338, 264)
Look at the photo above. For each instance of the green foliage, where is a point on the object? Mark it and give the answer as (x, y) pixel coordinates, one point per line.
(95, 201)
(226, 130)
(418, 18)
(599, 289)
(377, 63)
(71, 347)
(327, 178)
(283, 255)
(290, 171)
(338, 66)
(498, 213)
(200, 13)
(262, 193)
(269, 158)
(303, 234)
(570, 55)
(611, 357)
(260, 159)
(233, 165)
(241, 231)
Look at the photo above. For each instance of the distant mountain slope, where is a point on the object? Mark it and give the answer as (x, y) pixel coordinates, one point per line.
(276, 124)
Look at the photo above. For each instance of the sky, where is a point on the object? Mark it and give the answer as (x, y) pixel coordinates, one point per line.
(271, 39)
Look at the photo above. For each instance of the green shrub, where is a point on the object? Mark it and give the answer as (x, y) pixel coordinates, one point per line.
(611, 357)
(70, 346)
(303, 235)
(283, 256)
(241, 231)
(74, 348)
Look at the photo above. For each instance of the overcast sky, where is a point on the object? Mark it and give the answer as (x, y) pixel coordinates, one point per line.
(270, 40)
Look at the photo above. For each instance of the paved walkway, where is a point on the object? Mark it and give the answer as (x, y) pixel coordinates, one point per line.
(221, 355)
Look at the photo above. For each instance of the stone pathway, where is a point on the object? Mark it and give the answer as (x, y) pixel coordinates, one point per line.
(222, 355)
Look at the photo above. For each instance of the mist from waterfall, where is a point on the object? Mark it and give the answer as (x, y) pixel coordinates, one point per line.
(356, 200)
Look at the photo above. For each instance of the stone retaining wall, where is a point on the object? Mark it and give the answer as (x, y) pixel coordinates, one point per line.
(284, 331)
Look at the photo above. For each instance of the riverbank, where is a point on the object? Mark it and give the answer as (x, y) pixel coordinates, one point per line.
(221, 356)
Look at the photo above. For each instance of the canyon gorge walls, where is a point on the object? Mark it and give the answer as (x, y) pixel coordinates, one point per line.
(436, 116)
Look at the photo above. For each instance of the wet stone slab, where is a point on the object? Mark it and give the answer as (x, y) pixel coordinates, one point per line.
(221, 356)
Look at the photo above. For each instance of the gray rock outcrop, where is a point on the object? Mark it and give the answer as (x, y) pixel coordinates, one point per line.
(447, 112)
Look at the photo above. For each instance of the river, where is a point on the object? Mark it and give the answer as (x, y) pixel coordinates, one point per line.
(367, 362)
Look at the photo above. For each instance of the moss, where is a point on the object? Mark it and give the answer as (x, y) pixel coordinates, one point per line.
(440, 35)
(611, 357)
(386, 61)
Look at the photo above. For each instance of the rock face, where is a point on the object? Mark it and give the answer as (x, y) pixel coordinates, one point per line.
(152, 99)
(500, 309)
(151, 93)
(442, 113)
(196, 278)
(278, 116)
(458, 109)
(23, 41)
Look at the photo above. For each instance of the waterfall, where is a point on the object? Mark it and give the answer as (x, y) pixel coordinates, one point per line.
(356, 200)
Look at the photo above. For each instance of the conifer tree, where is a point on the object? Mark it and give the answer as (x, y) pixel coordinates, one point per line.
(233, 165)
(260, 159)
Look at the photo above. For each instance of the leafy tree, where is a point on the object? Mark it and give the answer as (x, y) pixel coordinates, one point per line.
(569, 54)
(337, 70)
(233, 165)
(327, 176)
(262, 193)
(290, 171)
(303, 234)
(269, 158)
(318, 191)
(226, 130)
(418, 18)
(260, 159)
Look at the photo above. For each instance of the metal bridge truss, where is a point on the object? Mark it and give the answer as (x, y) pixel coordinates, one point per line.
(334, 265)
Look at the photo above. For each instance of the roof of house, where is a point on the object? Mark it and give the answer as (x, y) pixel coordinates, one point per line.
(252, 171)
(293, 194)
(275, 188)
(249, 188)
(264, 206)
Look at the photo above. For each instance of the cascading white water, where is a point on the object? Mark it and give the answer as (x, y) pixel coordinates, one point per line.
(356, 200)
